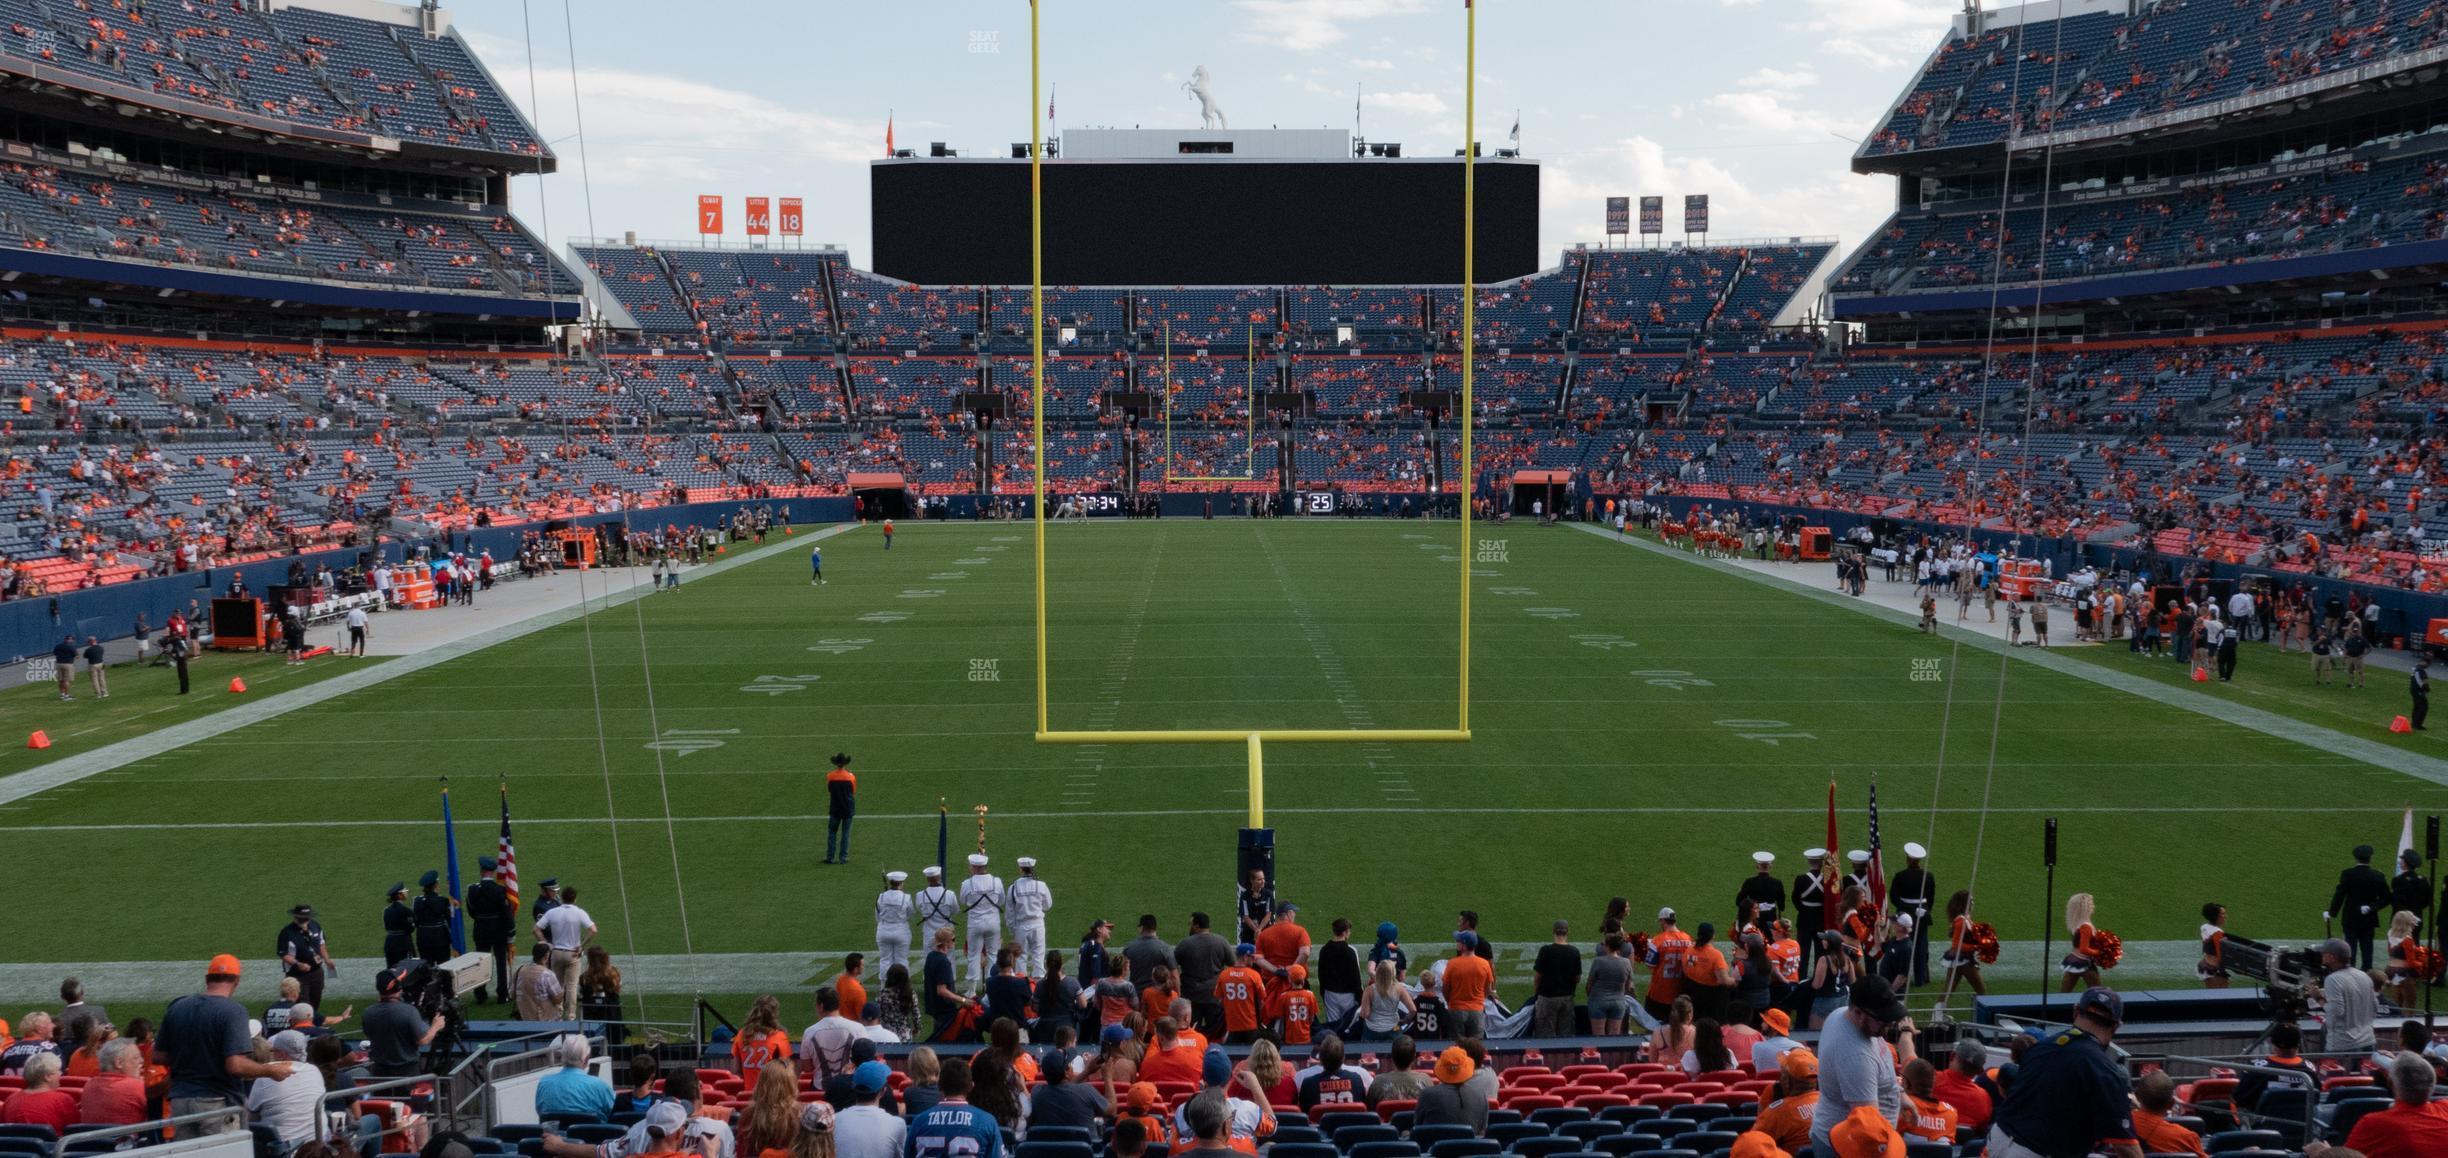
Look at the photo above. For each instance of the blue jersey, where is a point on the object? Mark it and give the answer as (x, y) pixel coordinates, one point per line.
(816, 558)
(954, 1130)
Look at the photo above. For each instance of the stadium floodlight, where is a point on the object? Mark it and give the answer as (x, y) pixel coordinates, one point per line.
(1255, 738)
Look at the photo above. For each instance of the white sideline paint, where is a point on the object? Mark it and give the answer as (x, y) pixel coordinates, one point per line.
(63, 772)
(2313, 736)
(675, 973)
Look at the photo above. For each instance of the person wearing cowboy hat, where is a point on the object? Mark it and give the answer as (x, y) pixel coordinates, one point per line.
(1762, 895)
(304, 957)
(399, 926)
(981, 907)
(1445, 1102)
(892, 923)
(1914, 892)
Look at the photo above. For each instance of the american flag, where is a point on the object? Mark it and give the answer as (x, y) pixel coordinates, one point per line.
(506, 870)
(1878, 870)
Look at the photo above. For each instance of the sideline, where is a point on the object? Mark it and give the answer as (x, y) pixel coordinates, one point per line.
(84, 765)
(2268, 723)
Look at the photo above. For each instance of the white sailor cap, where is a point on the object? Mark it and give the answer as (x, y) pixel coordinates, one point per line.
(1858, 856)
(933, 870)
(896, 877)
(1026, 862)
(1763, 857)
(977, 860)
(1914, 850)
(1904, 920)
(1814, 853)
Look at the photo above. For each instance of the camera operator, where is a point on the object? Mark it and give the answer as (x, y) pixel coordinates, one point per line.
(396, 1033)
(2346, 1000)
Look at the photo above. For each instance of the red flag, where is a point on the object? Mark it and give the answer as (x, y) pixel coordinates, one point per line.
(888, 145)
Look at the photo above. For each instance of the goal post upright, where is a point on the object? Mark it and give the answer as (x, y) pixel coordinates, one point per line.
(1254, 740)
(1470, 300)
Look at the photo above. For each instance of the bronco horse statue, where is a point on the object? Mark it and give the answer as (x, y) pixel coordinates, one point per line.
(1211, 116)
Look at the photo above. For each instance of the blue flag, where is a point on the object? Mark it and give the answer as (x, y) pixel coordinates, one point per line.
(450, 856)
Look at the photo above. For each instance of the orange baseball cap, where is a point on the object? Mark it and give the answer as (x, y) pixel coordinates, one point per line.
(1142, 1095)
(1799, 1063)
(225, 965)
(1454, 1066)
(1298, 974)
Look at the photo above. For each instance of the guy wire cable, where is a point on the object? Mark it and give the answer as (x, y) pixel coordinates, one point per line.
(603, 756)
(688, 945)
(2031, 370)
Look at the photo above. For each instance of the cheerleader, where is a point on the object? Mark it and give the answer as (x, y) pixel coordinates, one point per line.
(2403, 948)
(2212, 968)
(2081, 967)
(1961, 960)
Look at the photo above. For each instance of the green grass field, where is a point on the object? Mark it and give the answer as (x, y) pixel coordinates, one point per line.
(1642, 723)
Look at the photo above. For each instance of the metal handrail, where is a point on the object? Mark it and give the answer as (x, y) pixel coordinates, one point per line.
(59, 1149)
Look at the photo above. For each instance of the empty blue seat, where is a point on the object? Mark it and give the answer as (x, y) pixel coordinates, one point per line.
(1699, 1112)
(1385, 1149)
(1554, 1116)
(1929, 1150)
(1426, 1137)
(597, 1132)
(1630, 1114)
(29, 1131)
(1036, 1149)
(1665, 1127)
(1304, 1150)
(1542, 1147)
(1512, 1133)
(1350, 1136)
(1622, 1144)
(1587, 1132)
(2231, 1140)
(1285, 1134)
(1333, 1124)
(515, 1133)
(1706, 1141)
(1465, 1148)
(1080, 1134)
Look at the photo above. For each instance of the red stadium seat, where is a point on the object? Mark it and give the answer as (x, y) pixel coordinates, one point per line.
(1389, 1107)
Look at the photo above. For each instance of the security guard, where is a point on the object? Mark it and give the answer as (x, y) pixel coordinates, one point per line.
(490, 912)
(2409, 890)
(1027, 903)
(2361, 890)
(1914, 892)
(397, 925)
(1810, 904)
(548, 896)
(433, 914)
(1761, 898)
(981, 902)
(892, 916)
(936, 905)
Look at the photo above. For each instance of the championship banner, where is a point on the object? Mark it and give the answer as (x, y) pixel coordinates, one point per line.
(1619, 216)
(1695, 213)
(1653, 215)
(709, 213)
(760, 216)
(792, 222)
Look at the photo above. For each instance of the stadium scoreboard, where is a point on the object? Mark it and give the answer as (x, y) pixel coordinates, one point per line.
(1202, 219)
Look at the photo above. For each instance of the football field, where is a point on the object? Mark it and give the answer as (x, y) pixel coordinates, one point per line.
(1641, 723)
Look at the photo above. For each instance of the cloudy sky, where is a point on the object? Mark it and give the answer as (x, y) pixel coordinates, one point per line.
(1754, 102)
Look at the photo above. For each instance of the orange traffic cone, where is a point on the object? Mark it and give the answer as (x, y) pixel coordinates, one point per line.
(237, 686)
(38, 740)
(788, 531)
(2400, 724)
(719, 549)
(2201, 675)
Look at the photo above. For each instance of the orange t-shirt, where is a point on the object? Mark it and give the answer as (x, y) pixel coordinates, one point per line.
(1666, 953)
(1296, 1010)
(1156, 1002)
(1788, 1120)
(1928, 1119)
(2160, 1136)
(853, 995)
(753, 1052)
(1705, 966)
(1786, 957)
(1179, 1062)
(1238, 988)
(1280, 944)
(1467, 981)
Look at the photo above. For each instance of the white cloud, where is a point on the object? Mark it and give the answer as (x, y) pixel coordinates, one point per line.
(1310, 25)
(1373, 64)
(1883, 34)
(1810, 196)
(1771, 113)
(1423, 104)
(1779, 80)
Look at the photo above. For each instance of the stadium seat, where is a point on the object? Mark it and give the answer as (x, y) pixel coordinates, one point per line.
(1511, 1133)
(1426, 1137)
(1464, 1148)
(1708, 1141)
(1586, 1132)
(1629, 1114)
(2342, 1123)
(1036, 1149)
(1700, 1111)
(515, 1133)
(1929, 1149)
(1665, 1127)
(1540, 1147)
(1080, 1134)
(1390, 1107)
(1384, 1148)
(1554, 1116)
(1528, 1103)
(27, 1147)
(1304, 1150)
(1294, 1133)
(596, 1132)
(1622, 1144)
(2234, 1140)
(1334, 1121)
(29, 1131)
(1359, 1135)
